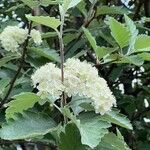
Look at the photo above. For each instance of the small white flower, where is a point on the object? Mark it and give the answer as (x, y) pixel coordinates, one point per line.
(36, 36)
(47, 79)
(10, 44)
(12, 37)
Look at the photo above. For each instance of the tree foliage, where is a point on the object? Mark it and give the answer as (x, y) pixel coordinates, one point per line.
(111, 35)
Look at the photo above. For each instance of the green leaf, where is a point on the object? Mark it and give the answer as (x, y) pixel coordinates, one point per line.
(51, 22)
(87, 106)
(3, 84)
(119, 135)
(67, 4)
(91, 127)
(35, 3)
(146, 19)
(22, 102)
(112, 142)
(100, 51)
(69, 37)
(133, 32)
(48, 35)
(120, 33)
(91, 39)
(71, 139)
(107, 38)
(8, 58)
(50, 2)
(76, 102)
(142, 43)
(82, 7)
(13, 8)
(145, 56)
(32, 4)
(111, 10)
(28, 126)
(116, 73)
(70, 52)
(103, 51)
(115, 117)
(45, 52)
(133, 59)
(66, 112)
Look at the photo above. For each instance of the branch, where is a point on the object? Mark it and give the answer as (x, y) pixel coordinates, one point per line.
(19, 68)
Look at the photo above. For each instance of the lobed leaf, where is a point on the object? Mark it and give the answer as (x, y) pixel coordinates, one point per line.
(71, 139)
(120, 33)
(22, 102)
(28, 126)
(115, 117)
(111, 142)
(91, 127)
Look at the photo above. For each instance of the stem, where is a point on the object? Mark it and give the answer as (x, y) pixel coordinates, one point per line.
(57, 107)
(19, 68)
(61, 45)
(61, 49)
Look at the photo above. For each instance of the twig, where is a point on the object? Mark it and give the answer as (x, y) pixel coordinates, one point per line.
(19, 68)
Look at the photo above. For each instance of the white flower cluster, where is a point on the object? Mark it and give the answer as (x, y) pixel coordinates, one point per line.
(80, 78)
(13, 36)
(85, 81)
(47, 79)
(36, 36)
